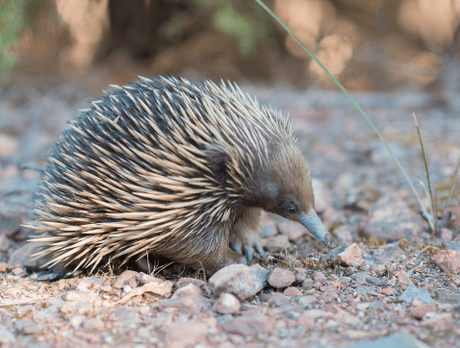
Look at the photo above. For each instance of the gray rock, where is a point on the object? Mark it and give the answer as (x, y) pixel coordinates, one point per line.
(6, 336)
(319, 277)
(188, 299)
(447, 296)
(398, 340)
(249, 325)
(413, 292)
(47, 314)
(90, 283)
(278, 299)
(23, 256)
(240, 280)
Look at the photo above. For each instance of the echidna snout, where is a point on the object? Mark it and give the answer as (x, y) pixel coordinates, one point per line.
(173, 168)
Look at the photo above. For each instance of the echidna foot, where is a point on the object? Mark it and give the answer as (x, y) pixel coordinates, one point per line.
(246, 243)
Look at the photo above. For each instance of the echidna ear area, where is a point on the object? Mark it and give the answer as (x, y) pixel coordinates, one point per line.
(132, 174)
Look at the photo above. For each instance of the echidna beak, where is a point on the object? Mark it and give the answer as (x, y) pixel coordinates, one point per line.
(312, 222)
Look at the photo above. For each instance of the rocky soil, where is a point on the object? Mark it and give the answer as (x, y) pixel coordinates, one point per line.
(390, 282)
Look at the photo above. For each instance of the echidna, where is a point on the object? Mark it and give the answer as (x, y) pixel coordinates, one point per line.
(173, 168)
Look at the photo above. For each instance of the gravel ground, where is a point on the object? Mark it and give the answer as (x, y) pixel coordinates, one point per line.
(389, 283)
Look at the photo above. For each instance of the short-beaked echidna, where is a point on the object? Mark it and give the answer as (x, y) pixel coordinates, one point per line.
(173, 168)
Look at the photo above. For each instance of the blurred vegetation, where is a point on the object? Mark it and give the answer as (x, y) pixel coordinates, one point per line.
(242, 19)
(13, 20)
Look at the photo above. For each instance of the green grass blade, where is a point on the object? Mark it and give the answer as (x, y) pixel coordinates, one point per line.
(352, 100)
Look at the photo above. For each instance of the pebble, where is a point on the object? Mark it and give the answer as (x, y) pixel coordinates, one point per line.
(403, 280)
(308, 284)
(90, 284)
(319, 277)
(186, 281)
(292, 291)
(6, 336)
(351, 256)
(227, 304)
(412, 292)
(123, 279)
(182, 335)
(249, 325)
(240, 280)
(277, 299)
(281, 278)
(448, 261)
(442, 321)
(418, 311)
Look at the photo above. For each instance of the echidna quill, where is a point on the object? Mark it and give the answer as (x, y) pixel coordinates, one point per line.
(173, 168)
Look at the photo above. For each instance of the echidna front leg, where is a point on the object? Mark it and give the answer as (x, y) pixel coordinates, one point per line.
(245, 236)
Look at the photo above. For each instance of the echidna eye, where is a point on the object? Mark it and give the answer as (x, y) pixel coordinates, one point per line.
(292, 209)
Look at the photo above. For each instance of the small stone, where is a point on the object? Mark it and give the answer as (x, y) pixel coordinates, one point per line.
(90, 283)
(240, 280)
(123, 279)
(17, 271)
(387, 291)
(419, 311)
(6, 336)
(375, 281)
(446, 234)
(182, 335)
(443, 321)
(351, 256)
(319, 277)
(93, 324)
(412, 292)
(448, 261)
(4, 242)
(186, 281)
(292, 291)
(379, 270)
(300, 276)
(281, 278)
(188, 299)
(403, 279)
(249, 325)
(84, 296)
(23, 256)
(307, 300)
(308, 284)
(47, 314)
(2, 267)
(143, 278)
(227, 304)
(278, 300)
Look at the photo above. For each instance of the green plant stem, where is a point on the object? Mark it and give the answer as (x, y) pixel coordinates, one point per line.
(434, 228)
(355, 104)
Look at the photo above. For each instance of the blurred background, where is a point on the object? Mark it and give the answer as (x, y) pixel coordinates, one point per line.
(383, 45)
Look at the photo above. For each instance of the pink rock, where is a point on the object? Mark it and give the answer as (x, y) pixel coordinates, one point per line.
(403, 279)
(443, 321)
(281, 278)
(448, 261)
(351, 256)
(418, 312)
(227, 304)
(182, 335)
(292, 291)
